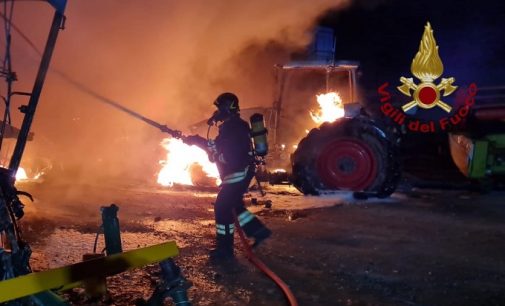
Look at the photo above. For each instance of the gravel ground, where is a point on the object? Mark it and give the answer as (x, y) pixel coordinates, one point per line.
(419, 247)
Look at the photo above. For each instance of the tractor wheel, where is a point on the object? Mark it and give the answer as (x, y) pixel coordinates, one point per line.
(349, 154)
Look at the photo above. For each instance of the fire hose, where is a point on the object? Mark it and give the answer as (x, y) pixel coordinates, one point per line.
(249, 254)
(247, 248)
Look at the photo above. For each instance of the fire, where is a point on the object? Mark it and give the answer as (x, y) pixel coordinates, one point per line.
(331, 108)
(180, 161)
(21, 174)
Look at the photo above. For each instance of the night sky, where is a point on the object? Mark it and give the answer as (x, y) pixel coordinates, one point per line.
(384, 36)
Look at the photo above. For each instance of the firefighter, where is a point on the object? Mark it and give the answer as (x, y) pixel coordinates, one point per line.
(232, 152)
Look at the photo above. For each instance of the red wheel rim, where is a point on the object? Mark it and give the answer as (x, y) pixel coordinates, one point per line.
(347, 164)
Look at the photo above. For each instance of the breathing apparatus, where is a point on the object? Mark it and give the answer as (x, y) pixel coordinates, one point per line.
(259, 135)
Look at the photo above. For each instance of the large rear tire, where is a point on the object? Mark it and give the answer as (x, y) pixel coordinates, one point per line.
(349, 154)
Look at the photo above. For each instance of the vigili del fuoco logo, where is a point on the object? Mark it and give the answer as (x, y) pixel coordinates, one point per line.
(426, 93)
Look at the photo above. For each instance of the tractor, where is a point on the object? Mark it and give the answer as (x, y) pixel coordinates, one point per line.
(354, 152)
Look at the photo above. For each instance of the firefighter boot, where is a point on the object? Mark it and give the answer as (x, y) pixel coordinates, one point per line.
(260, 236)
(253, 227)
(224, 248)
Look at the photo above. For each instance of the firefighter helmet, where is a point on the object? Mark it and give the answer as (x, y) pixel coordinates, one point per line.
(227, 103)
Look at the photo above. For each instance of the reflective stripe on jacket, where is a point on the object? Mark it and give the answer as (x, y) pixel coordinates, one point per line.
(236, 176)
(233, 149)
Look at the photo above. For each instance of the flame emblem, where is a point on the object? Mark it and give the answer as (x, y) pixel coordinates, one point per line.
(427, 67)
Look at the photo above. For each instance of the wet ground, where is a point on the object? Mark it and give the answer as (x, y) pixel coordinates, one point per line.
(419, 247)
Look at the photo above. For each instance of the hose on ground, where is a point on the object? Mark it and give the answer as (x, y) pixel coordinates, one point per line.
(262, 266)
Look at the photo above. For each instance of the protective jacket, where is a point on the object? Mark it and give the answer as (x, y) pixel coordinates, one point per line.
(232, 150)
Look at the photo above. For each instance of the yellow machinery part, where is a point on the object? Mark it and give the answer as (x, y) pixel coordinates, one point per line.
(101, 267)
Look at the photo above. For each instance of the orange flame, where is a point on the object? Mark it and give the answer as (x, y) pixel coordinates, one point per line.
(331, 108)
(21, 174)
(176, 169)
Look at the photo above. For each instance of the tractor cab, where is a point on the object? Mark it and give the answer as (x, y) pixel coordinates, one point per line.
(307, 94)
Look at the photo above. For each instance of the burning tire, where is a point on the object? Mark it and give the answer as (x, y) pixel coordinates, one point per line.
(349, 154)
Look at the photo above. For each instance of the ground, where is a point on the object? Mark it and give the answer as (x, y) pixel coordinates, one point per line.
(419, 247)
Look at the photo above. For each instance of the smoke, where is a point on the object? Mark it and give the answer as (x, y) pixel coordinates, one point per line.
(165, 59)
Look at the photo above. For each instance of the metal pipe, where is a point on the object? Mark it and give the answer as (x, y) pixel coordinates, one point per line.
(111, 232)
(37, 89)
